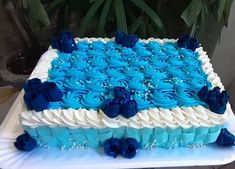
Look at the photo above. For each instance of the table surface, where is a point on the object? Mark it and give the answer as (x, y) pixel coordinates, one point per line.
(90, 158)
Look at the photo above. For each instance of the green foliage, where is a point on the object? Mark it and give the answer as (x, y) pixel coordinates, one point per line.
(103, 17)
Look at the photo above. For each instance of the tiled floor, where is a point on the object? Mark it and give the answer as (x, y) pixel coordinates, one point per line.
(8, 96)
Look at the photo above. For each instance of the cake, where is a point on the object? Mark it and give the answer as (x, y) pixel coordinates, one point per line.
(123, 94)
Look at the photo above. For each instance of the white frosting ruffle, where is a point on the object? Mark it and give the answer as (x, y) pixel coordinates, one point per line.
(185, 117)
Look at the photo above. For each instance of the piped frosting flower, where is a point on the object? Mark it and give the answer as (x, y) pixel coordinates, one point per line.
(125, 40)
(185, 41)
(129, 147)
(38, 95)
(112, 147)
(225, 138)
(215, 99)
(25, 143)
(126, 147)
(121, 104)
(64, 43)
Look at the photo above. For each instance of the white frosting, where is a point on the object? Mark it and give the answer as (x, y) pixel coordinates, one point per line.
(156, 117)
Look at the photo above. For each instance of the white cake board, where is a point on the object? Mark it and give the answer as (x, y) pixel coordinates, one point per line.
(89, 158)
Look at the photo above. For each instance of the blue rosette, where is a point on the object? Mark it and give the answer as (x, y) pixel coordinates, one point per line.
(93, 100)
(164, 98)
(72, 100)
(75, 84)
(137, 83)
(98, 85)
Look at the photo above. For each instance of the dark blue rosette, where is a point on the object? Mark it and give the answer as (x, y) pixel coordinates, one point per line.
(193, 44)
(215, 99)
(38, 95)
(185, 41)
(112, 147)
(32, 85)
(129, 147)
(121, 93)
(125, 40)
(52, 92)
(121, 104)
(112, 108)
(225, 138)
(128, 108)
(36, 100)
(64, 43)
(25, 143)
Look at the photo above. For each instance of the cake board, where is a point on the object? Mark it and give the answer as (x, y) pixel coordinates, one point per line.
(90, 158)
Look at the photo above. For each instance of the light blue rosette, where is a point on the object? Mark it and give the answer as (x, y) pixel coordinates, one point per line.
(164, 98)
(158, 63)
(83, 45)
(98, 62)
(121, 81)
(93, 100)
(78, 54)
(96, 53)
(133, 72)
(60, 63)
(176, 62)
(80, 63)
(75, 72)
(98, 85)
(116, 62)
(139, 61)
(143, 100)
(72, 100)
(75, 84)
(114, 72)
(136, 83)
(96, 73)
(187, 52)
(110, 45)
(98, 45)
(56, 73)
(186, 97)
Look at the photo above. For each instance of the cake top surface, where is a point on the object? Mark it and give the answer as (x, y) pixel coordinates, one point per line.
(162, 78)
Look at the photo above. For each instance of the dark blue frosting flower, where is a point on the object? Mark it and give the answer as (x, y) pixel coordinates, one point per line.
(121, 93)
(32, 85)
(52, 92)
(185, 41)
(121, 104)
(64, 43)
(193, 44)
(128, 108)
(112, 147)
(216, 100)
(225, 138)
(125, 40)
(112, 108)
(25, 143)
(129, 147)
(38, 95)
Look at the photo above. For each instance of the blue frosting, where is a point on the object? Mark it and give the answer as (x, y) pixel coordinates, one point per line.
(157, 75)
(225, 138)
(147, 137)
(216, 100)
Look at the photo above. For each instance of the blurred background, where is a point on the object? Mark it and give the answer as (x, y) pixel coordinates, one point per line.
(27, 26)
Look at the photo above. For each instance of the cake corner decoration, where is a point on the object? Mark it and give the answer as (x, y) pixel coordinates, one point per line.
(126, 147)
(38, 95)
(225, 138)
(120, 105)
(215, 99)
(126, 40)
(64, 42)
(25, 142)
(185, 41)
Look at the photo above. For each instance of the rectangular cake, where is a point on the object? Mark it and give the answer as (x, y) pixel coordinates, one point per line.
(152, 92)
